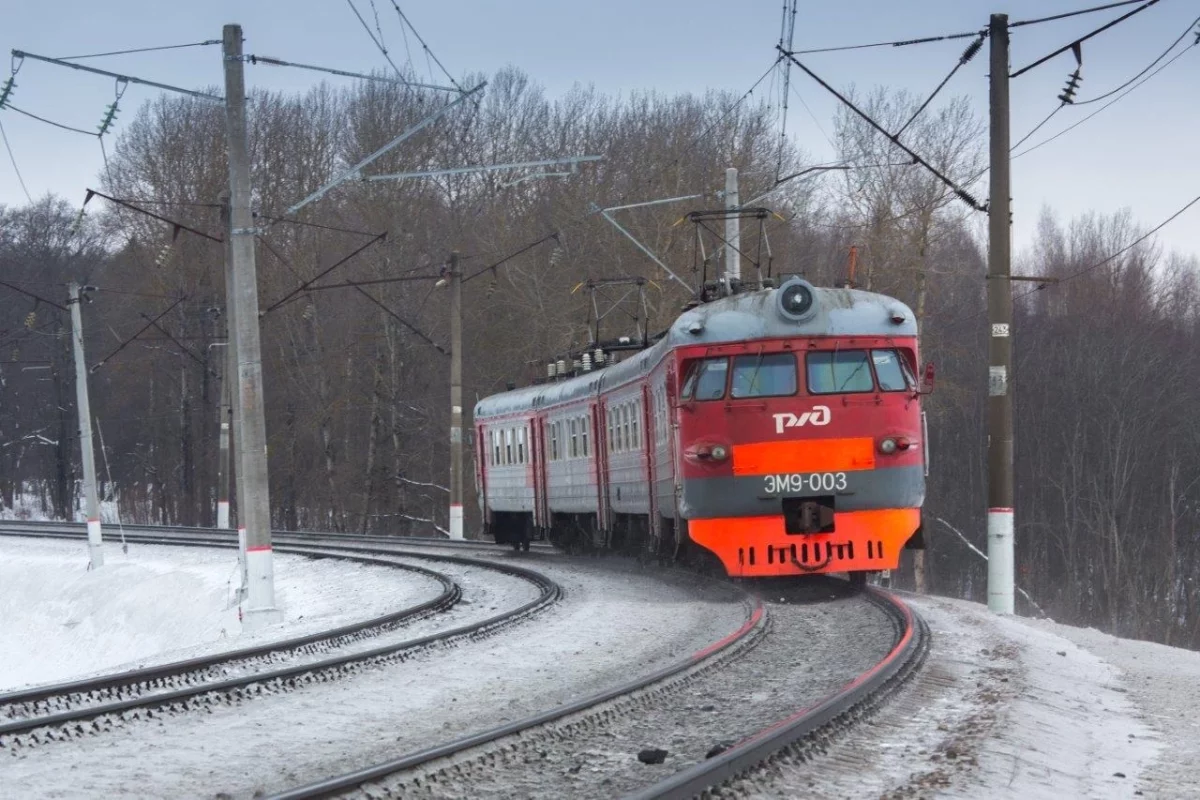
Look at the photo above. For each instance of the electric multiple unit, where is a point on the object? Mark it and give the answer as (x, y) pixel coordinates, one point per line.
(780, 430)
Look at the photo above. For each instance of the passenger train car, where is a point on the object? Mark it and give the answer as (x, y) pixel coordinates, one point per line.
(780, 430)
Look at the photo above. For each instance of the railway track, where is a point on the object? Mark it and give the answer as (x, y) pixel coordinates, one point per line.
(527, 757)
(479, 764)
(114, 534)
(74, 709)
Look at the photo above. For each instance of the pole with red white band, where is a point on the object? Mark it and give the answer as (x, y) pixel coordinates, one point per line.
(456, 431)
(250, 435)
(88, 456)
(1000, 315)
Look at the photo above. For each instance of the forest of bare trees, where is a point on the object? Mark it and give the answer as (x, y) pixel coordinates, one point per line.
(1108, 455)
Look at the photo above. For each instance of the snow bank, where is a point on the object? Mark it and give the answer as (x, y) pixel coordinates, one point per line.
(58, 620)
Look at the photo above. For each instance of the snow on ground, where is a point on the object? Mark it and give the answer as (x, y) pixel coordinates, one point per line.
(1013, 707)
(158, 604)
(615, 622)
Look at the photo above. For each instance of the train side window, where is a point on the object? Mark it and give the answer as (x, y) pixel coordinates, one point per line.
(705, 379)
(633, 425)
(764, 375)
(508, 446)
(626, 442)
(839, 372)
(553, 441)
(583, 435)
(891, 371)
(574, 440)
(521, 445)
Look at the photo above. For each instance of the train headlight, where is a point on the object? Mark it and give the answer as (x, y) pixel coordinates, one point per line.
(797, 299)
(718, 452)
(887, 446)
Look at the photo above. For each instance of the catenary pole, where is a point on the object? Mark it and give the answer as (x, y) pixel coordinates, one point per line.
(254, 508)
(230, 385)
(456, 432)
(1000, 311)
(228, 373)
(92, 503)
(733, 227)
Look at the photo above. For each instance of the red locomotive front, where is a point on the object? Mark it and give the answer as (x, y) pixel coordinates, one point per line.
(804, 453)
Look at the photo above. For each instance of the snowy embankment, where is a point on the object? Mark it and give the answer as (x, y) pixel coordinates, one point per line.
(156, 604)
(1013, 707)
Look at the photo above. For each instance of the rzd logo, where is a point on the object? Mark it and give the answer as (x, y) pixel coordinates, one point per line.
(820, 415)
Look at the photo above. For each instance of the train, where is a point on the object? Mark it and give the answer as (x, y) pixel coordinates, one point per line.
(777, 431)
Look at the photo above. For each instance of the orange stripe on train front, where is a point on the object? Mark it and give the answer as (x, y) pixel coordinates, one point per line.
(807, 455)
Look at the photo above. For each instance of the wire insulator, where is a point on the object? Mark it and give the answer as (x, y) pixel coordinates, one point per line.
(972, 50)
(1068, 94)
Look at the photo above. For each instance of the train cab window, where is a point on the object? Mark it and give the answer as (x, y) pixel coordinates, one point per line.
(705, 379)
(839, 372)
(764, 375)
(892, 371)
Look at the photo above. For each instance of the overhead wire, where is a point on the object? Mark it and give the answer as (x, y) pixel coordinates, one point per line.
(558, 231)
(899, 43)
(205, 43)
(1115, 100)
(958, 190)
(1067, 14)
(1050, 281)
(1037, 127)
(1074, 45)
(48, 121)
(13, 159)
(1149, 67)
(969, 53)
(379, 44)
(428, 52)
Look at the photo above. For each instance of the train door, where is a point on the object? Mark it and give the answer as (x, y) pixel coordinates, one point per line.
(673, 455)
(650, 424)
(541, 507)
(600, 464)
(481, 483)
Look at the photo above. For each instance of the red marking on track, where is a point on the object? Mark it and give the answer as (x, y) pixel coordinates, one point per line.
(755, 616)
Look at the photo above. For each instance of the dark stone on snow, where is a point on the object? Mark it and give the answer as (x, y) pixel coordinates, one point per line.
(652, 755)
(718, 748)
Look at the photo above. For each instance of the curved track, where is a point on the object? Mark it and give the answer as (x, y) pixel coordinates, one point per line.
(72, 709)
(732, 768)
(802, 734)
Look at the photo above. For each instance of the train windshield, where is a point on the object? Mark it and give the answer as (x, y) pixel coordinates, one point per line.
(839, 372)
(892, 371)
(706, 379)
(760, 375)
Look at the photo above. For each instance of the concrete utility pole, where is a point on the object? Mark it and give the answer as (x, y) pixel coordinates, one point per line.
(95, 540)
(733, 227)
(224, 462)
(228, 410)
(1000, 312)
(456, 433)
(254, 507)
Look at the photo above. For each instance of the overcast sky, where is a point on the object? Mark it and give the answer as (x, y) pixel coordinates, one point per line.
(1141, 153)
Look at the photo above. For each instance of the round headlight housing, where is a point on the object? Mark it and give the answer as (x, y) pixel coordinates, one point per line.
(887, 446)
(797, 299)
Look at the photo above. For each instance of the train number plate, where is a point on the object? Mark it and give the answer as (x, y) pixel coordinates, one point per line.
(799, 482)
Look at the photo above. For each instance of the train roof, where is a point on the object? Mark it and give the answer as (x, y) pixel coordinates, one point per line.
(742, 317)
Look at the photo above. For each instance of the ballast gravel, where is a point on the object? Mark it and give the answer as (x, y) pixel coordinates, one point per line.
(813, 646)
